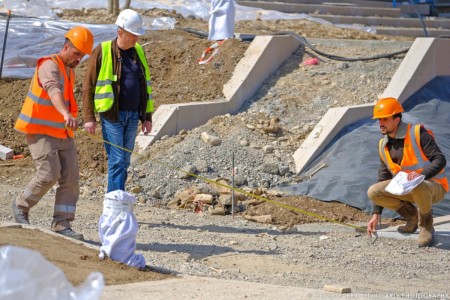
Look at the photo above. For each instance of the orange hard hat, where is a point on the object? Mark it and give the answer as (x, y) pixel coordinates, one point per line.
(82, 38)
(386, 107)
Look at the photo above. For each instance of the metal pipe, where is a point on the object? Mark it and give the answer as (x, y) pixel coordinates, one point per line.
(232, 184)
(8, 15)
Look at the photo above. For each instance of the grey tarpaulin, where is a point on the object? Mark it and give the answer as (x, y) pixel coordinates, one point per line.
(352, 157)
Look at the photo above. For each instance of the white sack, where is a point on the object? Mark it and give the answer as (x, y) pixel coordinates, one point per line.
(118, 228)
(221, 22)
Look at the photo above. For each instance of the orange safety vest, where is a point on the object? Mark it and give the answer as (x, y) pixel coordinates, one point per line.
(38, 115)
(414, 158)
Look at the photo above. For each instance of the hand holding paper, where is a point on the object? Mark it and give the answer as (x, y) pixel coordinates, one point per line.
(401, 184)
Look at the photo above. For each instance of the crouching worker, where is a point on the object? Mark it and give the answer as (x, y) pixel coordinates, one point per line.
(48, 119)
(117, 229)
(412, 149)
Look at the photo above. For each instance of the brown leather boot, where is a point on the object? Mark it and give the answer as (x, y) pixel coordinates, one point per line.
(409, 212)
(426, 233)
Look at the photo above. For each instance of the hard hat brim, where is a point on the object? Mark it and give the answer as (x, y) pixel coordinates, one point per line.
(139, 31)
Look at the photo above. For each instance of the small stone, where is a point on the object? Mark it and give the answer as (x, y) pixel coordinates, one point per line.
(268, 149)
(244, 143)
(210, 139)
(337, 289)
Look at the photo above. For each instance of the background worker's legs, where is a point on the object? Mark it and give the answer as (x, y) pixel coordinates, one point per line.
(122, 134)
(44, 151)
(67, 190)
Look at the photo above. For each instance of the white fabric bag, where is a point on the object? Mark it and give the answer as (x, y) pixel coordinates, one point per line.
(221, 21)
(118, 228)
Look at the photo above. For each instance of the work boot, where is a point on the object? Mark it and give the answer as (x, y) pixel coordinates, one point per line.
(426, 237)
(20, 216)
(408, 212)
(70, 233)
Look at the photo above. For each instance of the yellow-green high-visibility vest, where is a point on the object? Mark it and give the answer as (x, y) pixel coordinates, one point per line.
(104, 96)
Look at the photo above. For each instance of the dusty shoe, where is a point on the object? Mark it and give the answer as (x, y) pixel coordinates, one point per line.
(409, 212)
(426, 237)
(20, 216)
(70, 233)
(410, 226)
(426, 234)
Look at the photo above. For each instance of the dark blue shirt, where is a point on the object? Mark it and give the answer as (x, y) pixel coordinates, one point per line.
(130, 83)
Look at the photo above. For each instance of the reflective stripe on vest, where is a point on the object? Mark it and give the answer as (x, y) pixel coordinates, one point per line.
(414, 159)
(104, 95)
(150, 104)
(38, 115)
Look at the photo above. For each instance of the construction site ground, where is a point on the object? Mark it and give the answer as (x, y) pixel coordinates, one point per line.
(177, 242)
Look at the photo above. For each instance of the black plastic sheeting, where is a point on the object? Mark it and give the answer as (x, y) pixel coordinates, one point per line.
(352, 157)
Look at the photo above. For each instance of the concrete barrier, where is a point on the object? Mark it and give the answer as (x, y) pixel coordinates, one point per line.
(262, 58)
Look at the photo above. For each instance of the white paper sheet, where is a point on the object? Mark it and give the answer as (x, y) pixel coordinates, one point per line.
(400, 185)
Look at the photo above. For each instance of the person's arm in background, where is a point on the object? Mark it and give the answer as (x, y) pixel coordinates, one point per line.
(90, 81)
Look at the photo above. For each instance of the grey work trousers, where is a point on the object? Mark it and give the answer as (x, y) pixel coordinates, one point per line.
(56, 161)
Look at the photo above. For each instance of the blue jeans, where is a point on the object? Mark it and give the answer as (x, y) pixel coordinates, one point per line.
(123, 134)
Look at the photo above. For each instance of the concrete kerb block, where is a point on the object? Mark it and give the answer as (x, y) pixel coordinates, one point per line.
(47, 231)
(426, 60)
(6, 153)
(441, 235)
(164, 120)
(339, 10)
(334, 120)
(262, 58)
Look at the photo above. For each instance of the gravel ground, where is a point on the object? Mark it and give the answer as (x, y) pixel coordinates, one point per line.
(309, 255)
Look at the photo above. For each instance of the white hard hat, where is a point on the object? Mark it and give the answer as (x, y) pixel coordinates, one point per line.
(130, 21)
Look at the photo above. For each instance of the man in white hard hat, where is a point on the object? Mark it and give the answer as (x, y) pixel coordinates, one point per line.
(117, 86)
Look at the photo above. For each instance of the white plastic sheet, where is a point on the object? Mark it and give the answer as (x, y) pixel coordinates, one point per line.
(37, 32)
(31, 38)
(26, 274)
(118, 229)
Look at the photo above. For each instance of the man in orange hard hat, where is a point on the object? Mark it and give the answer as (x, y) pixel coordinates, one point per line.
(413, 150)
(48, 119)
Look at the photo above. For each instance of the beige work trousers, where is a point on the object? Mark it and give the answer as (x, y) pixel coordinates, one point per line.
(424, 195)
(56, 161)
